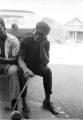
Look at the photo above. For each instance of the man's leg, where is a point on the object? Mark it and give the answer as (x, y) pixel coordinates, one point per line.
(14, 84)
(46, 73)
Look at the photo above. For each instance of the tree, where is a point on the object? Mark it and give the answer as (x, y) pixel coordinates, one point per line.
(57, 33)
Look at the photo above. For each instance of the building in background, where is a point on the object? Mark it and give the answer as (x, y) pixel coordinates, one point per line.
(74, 30)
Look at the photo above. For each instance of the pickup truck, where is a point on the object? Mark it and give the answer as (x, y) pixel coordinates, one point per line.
(18, 23)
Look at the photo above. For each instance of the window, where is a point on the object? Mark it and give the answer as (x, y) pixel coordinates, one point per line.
(24, 19)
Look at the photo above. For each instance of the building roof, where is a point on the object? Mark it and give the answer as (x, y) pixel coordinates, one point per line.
(74, 25)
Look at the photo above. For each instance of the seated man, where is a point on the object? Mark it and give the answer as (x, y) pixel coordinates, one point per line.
(9, 47)
(33, 58)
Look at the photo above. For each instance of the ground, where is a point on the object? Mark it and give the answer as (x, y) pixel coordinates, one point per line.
(67, 89)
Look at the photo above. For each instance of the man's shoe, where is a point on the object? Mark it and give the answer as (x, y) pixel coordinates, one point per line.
(49, 106)
(26, 111)
(15, 115)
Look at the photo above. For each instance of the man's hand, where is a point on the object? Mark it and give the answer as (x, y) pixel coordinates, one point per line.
(42, 41)
(28, 73)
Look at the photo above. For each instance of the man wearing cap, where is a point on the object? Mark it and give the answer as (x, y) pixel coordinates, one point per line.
(9, 47)
(33, 59)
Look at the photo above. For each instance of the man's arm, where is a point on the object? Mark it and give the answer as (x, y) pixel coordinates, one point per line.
(13, 60)
(27, 72)
(44, 52)
(21, 60)
(21, 63)
(22, 54)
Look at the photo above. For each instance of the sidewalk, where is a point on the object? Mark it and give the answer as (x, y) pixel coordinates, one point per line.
(36, 110)
(67, 91)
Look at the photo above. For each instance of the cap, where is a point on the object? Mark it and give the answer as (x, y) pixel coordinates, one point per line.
(42, 27)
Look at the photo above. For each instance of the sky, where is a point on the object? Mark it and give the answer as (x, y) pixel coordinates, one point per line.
(61, 11)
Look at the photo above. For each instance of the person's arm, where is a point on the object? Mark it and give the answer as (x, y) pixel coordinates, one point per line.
(21, 61)
(27, 72)
(13, 60)
(44, 52)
